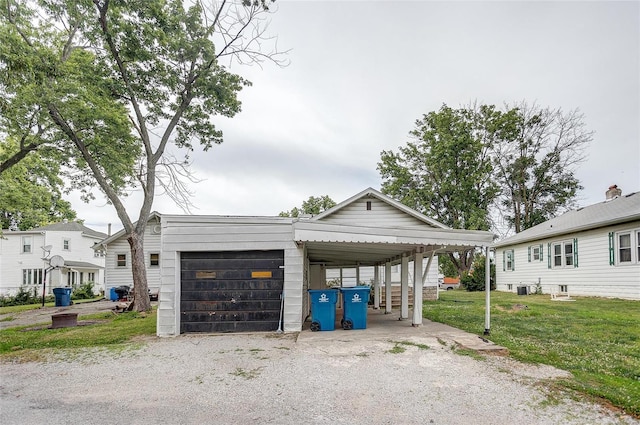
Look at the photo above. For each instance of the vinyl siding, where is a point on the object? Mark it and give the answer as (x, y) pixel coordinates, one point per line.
(119, 276)
(594, 276)
(198, 233)
(13, 261)
(380, 215)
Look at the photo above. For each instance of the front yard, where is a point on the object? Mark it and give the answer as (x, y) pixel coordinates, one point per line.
(596, 339)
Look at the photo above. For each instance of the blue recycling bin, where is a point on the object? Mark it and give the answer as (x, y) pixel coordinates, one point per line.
(355, 302)
(63, 296)
(113, 295)
(323, 309)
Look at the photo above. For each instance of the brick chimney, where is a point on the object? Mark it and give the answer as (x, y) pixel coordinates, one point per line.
(613, 192)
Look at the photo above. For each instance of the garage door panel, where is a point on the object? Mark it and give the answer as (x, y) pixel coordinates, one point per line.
(209, 273)
(216, 327)
(233, 264)
(240, 285)
(231, 296)
(240, 316)
(231, 291)
(221, 306)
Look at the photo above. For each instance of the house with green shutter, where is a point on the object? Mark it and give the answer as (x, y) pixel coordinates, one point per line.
(590, 251)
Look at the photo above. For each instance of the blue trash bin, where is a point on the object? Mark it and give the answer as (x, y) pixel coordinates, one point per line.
(63, 296)
(355, 302)
(113, 295)
(323, 309)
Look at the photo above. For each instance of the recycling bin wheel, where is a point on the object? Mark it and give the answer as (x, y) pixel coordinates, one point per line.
(315, 326)
(347, 325)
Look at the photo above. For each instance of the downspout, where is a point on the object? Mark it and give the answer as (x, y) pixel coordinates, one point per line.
(487, 288)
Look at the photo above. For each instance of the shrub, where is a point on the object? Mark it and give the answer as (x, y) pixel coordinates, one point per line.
(475, 280)
(24, 296)
(83, 292)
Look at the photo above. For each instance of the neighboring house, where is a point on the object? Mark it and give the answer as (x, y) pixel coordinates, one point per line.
(24, 258)
(118, 257)
(229, 273)
(591, 251)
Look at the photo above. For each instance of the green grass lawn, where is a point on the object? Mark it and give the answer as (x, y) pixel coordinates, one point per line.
(108, 330)
(596, 339)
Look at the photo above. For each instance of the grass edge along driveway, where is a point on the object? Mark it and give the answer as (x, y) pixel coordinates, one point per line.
(596, 339)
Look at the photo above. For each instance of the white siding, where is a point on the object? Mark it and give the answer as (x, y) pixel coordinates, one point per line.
(207, 234)
(13, 261)
(594, 276)
(380, 215)
(119, 276)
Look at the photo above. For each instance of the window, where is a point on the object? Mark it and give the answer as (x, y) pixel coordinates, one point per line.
(508, 260)
(65, 244)
(154, 259)
(624, 247)
(32, 276)
(509, 285)
(26, 244)
(121, 260)
(91, 277)
(568, 254)
(564, 288)
(564, 254)
(368, 205)
(98, 253)
(535, 253)
(557, 255)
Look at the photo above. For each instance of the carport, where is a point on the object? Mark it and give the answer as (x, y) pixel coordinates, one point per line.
(335, 245)
(230, 273)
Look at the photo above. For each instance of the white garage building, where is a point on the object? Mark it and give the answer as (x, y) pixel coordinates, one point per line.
(227, 273)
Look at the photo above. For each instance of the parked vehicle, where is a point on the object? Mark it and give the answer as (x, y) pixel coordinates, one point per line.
(449, 283)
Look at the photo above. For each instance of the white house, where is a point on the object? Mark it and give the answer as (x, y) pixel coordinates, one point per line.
(591, 251)
(24, 258)
(118, 257)
(228, 273)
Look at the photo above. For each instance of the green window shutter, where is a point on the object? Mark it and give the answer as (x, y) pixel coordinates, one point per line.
(549, 255)
(529, 253)
(575, 252)
(513, 260)
(541, 252)
(612, 256)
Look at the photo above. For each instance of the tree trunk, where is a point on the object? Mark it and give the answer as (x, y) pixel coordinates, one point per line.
(141, 300)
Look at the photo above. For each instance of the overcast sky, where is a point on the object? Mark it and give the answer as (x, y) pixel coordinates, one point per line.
(361, 73)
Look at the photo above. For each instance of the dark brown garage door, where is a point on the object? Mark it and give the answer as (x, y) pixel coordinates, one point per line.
(231, 291)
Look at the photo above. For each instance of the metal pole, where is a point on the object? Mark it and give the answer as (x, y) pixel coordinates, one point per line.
(44, 285)
(487, 288)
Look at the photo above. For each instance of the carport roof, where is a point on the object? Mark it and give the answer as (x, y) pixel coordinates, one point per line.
(340, 244)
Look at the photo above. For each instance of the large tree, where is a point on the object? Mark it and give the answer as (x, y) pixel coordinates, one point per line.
(31, 192)
(116, 82)
(536, 156)
(445, 171)
(313, 205)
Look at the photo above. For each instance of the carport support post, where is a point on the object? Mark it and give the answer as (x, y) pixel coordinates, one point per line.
(487, 290)
(404, 287)
(376, 287)
(417, 289)
(387, 287)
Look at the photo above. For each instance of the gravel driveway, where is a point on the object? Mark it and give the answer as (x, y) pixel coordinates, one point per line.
(340, 377)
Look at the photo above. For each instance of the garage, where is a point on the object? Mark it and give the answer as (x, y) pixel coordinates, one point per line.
(231, 291)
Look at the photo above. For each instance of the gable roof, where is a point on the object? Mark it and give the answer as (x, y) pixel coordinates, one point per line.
(372, 193)
(72, 226)
(108, 239)
(622, 209)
